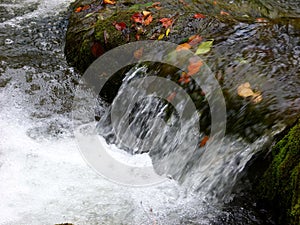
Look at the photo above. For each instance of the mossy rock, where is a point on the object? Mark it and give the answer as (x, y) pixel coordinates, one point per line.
(280, 184)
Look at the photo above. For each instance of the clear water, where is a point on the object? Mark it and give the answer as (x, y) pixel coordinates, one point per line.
(44, 179)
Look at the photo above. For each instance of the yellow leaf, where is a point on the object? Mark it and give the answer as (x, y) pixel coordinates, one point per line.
(146, 13)
(161, 36)
(167, 32)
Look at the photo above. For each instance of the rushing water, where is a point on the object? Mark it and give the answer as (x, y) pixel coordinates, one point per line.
(44, 179)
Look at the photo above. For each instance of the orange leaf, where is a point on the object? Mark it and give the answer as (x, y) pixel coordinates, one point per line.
(166, 22)
(215, 2)
(148, 20)
(137, 17)
(183, 46)
(223, 13)
(194, 40)
(203, 141)
(79, 9)
(184, 78)
(194, 66)
(110, 2)
(199, 16)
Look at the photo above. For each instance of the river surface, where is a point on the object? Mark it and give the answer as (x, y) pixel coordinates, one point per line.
(44, 179)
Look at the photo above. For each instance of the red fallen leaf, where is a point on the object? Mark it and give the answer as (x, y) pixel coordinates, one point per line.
(110, 2)
(194, 66)
(137, 17)
(79, 9)
(204, 140)
(171, 97)
(86, 7)
(183, 46)
(195, 40)
(148, 20)
(96, 49)
(184, 78)
(137, 37)
(223, 13)
(199, 16)
(166, 22)
(119, 26)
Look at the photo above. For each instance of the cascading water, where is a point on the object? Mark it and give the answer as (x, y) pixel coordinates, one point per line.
(44, 180)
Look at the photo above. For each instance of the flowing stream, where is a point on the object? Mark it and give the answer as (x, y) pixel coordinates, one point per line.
(44, 179)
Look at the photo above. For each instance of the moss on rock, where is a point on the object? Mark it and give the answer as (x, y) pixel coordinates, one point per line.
(281, 182)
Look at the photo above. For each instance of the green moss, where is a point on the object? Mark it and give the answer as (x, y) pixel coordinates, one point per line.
(114, 37)
(281, 181)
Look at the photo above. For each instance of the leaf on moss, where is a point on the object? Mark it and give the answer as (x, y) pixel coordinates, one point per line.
(148, 20)
(120, 26)
(137, 17)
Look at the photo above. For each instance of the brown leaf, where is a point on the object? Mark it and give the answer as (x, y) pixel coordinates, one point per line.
(195, 40)
(223, 13)
(156, 5)
(138, 53)
(194, 66)
(244, 90)
(86, 7)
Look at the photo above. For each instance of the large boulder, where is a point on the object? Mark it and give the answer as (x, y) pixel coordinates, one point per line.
(280, 184)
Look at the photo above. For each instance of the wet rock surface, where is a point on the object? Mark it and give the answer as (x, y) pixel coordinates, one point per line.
(250, 45)
(256, 42)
